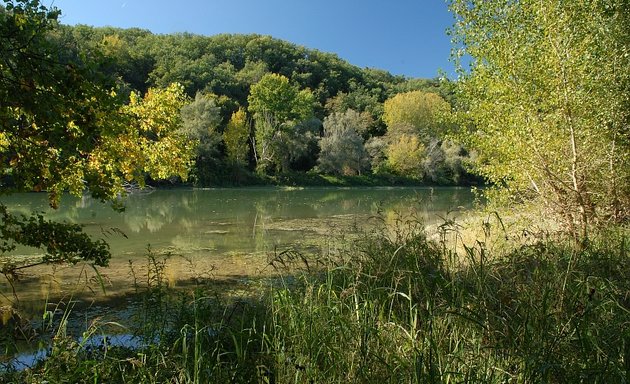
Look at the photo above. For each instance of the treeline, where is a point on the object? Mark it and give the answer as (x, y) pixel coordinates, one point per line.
(263, 106)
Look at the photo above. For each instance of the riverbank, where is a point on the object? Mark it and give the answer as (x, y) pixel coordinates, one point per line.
(244, 178)
(386, 307)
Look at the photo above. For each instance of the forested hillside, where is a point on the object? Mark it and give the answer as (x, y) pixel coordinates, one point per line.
(353, 121)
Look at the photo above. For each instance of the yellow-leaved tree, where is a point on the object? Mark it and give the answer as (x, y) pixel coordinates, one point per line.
(423, 111)
(545, 103)
(236, 138)
(64, 128)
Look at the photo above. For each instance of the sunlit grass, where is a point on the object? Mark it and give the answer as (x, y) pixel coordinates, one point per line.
(392, 307)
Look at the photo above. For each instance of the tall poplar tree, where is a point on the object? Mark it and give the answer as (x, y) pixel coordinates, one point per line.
(236, 138)
(546, 102)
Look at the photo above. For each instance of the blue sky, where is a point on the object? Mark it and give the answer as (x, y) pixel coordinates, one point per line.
(405, 37)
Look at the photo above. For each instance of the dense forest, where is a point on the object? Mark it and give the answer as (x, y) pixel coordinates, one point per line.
(259, 106)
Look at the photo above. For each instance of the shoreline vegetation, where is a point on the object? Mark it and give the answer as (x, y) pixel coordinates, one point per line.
(312, 179)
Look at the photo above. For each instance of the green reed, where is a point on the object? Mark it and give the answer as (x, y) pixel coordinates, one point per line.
(392, 307)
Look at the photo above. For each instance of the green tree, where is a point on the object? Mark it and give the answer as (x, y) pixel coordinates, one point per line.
(44, 97)
(342, 151)
(276, 95)
(363, 100)
(447, 162)
(375, 147)
(201, 120)
(278, 107)
(546, 103)
(252, 72)
(299, 146)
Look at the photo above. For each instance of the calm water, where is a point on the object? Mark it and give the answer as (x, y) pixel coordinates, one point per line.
(231, 231)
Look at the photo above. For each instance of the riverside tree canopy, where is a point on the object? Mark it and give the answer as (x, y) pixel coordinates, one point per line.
(546, 105)
(64, 127)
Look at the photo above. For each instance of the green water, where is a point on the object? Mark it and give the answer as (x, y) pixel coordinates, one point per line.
(233, 229)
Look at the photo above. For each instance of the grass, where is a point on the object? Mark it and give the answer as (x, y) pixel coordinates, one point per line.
(393, 307)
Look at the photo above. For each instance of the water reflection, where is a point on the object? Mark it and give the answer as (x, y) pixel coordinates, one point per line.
(233, 229)
(237, 220)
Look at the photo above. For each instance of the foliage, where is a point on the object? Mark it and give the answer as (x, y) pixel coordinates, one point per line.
(342, 151)
(375, 147)
(363, 100)
(276, 95)
(53, 108)
(441, 86)
(405, 156)
(151, 141)
(278, 107)
(228, 66)
(63, 128)
(201, 120)
(279, 145)
(448, 162)
(300, 146)
(423, 111)
(252, 72)
(236, 138)
(417, 125)
(546, 103)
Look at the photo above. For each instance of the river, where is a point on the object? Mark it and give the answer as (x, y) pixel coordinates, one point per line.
(213, 233)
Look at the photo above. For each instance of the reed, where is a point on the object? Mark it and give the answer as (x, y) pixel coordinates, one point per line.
(392, 307)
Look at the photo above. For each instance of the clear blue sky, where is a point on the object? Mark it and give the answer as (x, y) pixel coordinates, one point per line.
(405, 37)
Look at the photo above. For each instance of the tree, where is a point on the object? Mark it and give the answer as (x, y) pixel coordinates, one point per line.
(342, 151)
(200, 122)
(278, 107)
(63, 128)
(446, 162)
(415, 126)
(375, 148)
(44, 97)
(275, 94)
(405, 155)
(154, 136)
(363, 100)
(546, 103)
(299, 146)
(252, 72)
(236, 137)
(423, 111)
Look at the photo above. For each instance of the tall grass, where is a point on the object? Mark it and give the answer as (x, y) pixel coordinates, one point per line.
(393, 307)
(400, 308)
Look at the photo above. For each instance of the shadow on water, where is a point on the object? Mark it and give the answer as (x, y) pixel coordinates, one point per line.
(119, 321)
(223, 233)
